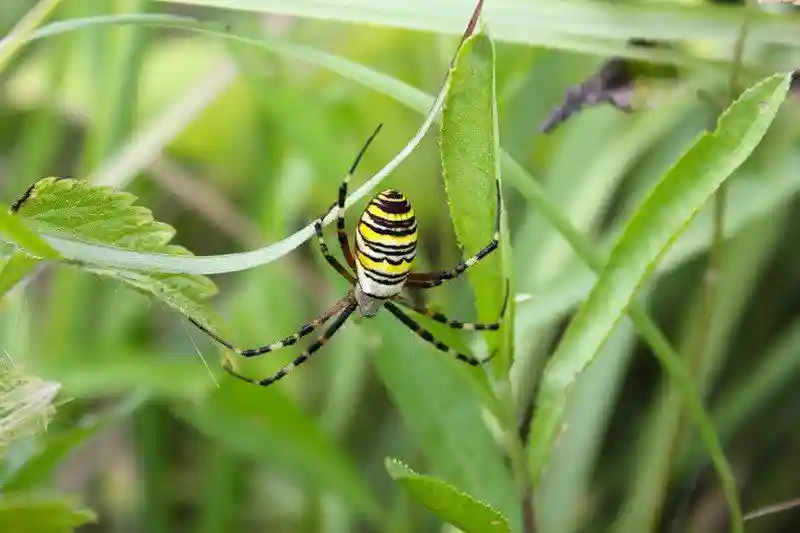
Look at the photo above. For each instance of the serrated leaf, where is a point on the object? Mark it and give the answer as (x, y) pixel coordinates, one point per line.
(448, 503)
(469, 147)
(39, 514)
(652, 229)
(103, 215)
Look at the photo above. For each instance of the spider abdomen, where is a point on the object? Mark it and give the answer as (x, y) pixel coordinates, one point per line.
(386, 244)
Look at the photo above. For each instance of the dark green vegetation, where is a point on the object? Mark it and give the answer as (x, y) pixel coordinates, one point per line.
(646, 373)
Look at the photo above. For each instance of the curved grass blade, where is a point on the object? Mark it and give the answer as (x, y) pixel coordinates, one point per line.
(652, 229)
(115, 257)
(543, 23)
(21, 33)
(447, 502)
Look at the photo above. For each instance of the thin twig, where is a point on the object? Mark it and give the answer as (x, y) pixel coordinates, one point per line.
(772, 509)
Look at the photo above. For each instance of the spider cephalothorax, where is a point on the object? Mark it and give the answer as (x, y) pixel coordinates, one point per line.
(385, 247)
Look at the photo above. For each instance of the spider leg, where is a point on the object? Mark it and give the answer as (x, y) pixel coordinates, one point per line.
(426, 280)
(427, 336)
(303, 357)
(288, 341)
(341, 231)
(455, 324)
(328, 257)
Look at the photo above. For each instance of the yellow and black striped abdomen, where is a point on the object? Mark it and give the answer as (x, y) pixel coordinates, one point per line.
(386, 243)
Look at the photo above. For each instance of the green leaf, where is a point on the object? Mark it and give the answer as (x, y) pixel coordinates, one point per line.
(22, 30)
(40, 514)
(14, 268)
(469, 145)
(448, 503)
(440, 408)
(102, 215)
(648, 235)
(13, 228)
(270, 428)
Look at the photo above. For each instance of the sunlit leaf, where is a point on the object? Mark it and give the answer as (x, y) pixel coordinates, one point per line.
(448, 503)
(104, 215)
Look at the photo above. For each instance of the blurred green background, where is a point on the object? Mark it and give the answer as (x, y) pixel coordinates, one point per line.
(255, 147)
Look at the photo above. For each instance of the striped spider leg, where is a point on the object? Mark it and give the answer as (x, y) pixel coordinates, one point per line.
(427, 280)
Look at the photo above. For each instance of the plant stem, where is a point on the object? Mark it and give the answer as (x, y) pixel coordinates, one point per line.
(516, 455)
(22, 30)
(702, 333)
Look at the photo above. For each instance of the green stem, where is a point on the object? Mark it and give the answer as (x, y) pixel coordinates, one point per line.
(23, 30)
(516, 454)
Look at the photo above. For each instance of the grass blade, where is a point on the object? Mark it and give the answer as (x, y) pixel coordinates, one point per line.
(541, 23)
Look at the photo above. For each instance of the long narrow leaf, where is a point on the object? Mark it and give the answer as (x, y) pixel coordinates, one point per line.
(650, 232)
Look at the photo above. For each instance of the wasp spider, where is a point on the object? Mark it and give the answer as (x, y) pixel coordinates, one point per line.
(386, 243)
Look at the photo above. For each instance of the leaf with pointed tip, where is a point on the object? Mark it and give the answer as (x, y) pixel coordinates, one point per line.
(469, 147)
(652, 229)
(448, 503)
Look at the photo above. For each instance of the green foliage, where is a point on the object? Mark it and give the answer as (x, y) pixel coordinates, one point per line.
(11, 227)
(245, 421)
(551, 25)
(441, 411)
(233, 149)
(103, 215)
(26, 410)
(41, 514)
(470, 171)
(452, 506)
(13, 268)
(650, 231)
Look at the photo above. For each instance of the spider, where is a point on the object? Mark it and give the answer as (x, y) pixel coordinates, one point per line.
(386, 242)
